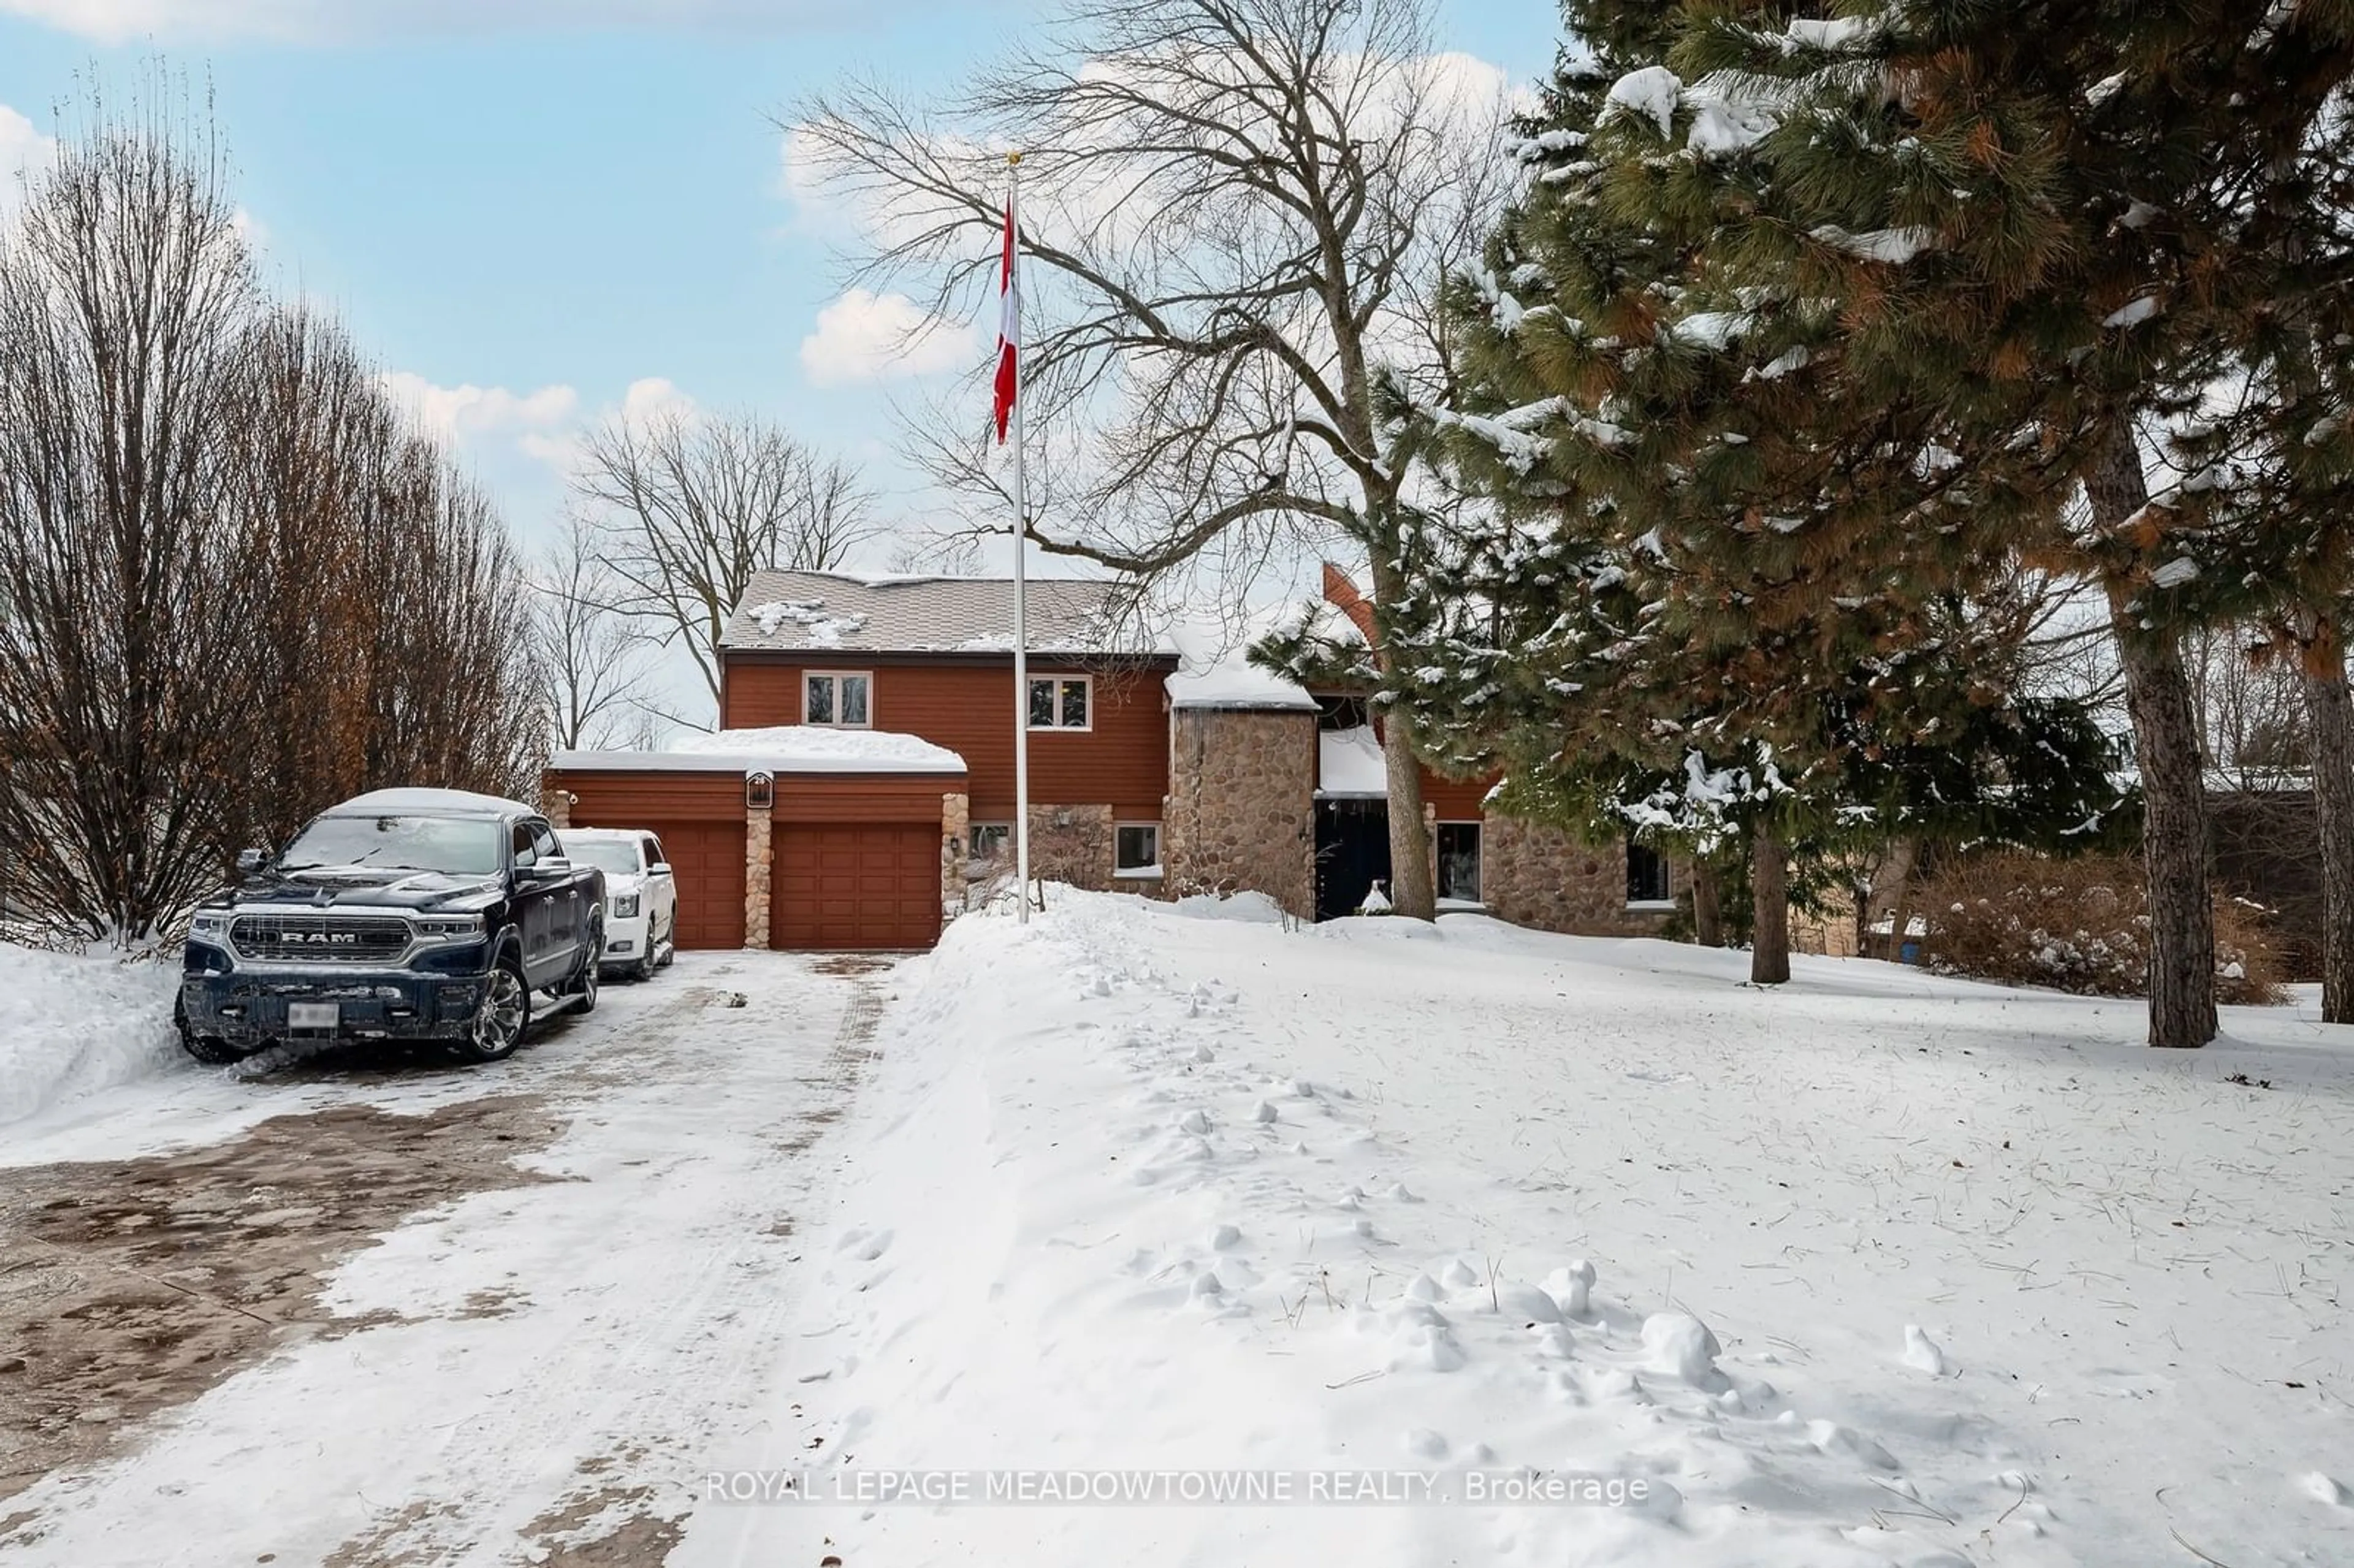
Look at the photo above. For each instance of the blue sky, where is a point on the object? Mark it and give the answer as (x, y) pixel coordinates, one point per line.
(552, 211)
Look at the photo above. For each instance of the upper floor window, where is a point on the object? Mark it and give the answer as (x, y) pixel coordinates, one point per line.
(1062, 702)
(838, 698)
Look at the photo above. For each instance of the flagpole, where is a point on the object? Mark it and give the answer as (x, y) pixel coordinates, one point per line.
(1021, 550)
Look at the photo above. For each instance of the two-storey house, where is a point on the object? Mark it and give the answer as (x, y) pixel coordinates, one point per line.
(863, 777)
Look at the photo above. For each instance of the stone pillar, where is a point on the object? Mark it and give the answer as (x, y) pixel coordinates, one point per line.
(956, 820)
(556, 803)
(1430, 837)
(758, 857)
(1241, 811)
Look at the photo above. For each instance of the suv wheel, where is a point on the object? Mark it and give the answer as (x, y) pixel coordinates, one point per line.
(583, 984)
(505, 1013)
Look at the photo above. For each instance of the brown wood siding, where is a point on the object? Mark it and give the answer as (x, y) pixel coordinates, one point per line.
(864, 797)
(1122, 762)
(855, 885)
(1456, 800)
(621, 800)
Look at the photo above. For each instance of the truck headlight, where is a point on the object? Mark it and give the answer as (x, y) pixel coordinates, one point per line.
(625, 907)
(449, 928)
(214, 925)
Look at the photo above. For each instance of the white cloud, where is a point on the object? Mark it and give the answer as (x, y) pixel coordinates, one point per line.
(325, 21)
(867, 337)
(23, 153)
(459, 415)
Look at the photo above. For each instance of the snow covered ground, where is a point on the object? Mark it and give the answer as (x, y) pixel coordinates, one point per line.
(521, 1365)
(1876, 1268)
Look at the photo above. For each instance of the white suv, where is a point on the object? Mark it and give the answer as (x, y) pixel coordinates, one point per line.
(640, 897)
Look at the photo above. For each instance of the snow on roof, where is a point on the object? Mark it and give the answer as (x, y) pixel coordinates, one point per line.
(1349, 763)
(852, 612)
(1235, 683)
(430, 803)
(779, 748)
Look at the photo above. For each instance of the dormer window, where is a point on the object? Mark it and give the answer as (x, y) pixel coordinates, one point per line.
(838, 699)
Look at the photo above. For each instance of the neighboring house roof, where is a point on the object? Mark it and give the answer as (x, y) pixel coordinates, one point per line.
(841, 612)
(779, 748)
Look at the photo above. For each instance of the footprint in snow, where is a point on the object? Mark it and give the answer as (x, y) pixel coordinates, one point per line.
(1843, 1441)
(1924, 1353)
(2323, 1488)
(863, 1244)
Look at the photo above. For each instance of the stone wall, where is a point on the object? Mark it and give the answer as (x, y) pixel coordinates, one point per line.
(759, 858)
(1073, 845)
(1241, 806)
(1536, 875)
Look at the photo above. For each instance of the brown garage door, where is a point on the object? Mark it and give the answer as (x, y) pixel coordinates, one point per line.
(864, 885)
(707, 860)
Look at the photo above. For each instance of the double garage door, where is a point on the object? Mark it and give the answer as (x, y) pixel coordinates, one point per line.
(864, 884)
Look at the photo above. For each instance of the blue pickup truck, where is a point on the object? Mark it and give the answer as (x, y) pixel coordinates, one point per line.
(429, 914)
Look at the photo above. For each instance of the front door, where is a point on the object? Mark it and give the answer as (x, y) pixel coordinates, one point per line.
(1353, 852)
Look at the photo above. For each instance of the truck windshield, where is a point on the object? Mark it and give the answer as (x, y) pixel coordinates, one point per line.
(606, 854)
(465, 846)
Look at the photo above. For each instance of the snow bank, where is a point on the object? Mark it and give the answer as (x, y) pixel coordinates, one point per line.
(1250, 907)
(1879, 1269)
(71, 1026)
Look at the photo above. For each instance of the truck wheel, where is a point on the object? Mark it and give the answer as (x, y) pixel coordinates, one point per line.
(210, 1049)
(503, 1016)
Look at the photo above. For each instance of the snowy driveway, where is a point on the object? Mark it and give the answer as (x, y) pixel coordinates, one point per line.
(386, 1310)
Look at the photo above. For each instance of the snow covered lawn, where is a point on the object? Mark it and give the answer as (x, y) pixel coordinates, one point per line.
(70, 1026)
(1875, 1268)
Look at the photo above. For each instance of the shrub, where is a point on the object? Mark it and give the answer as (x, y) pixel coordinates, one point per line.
(2080, 925)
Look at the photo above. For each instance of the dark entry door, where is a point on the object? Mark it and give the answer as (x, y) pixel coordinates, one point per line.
(1353, 850)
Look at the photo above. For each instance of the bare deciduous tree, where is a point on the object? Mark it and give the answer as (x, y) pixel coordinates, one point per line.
(1233, 211)
(233, 588)
(122, 294)
(590, 655)
(687, 509)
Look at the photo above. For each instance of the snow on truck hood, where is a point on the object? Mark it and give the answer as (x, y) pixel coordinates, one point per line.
(428, 802)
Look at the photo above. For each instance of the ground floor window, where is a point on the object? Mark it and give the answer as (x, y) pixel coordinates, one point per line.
(989, 841)
(1646, 875)
(1459, 861)
(1136, 849)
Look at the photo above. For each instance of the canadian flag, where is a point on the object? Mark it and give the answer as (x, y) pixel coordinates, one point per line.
(1009, 327)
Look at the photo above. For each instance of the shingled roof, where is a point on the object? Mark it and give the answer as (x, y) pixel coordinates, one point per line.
(838, 611)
